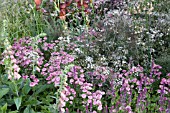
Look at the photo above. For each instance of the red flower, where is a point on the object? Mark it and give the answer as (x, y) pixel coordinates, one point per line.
(38, 2)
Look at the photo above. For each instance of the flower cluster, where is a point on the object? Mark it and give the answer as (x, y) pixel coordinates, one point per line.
(10, 62)
(53, 68)
(79, 87)
(100, 75)
(96, 99)
(134, 83)
(164, 89)
(35, 80)
(25, 54)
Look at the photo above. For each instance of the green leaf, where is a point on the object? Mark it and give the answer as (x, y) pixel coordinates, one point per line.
(18, 102)
(13, 112)
(3, 92)
(6, 61)
(41, 88)
(33, 102)
(42, 35)
(26, 88)
(29, 110)
(4, 108)
(13, 87)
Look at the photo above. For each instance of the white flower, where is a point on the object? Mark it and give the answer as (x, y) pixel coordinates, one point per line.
(89, 59)
(60, 38)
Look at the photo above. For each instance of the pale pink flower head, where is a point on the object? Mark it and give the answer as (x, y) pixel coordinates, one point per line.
(9, 76)
(90, 97)
(16, 68)
(61, 103)
(71, 97)
(62, 110)
(99, 96)
(17, 75)
(63, 96)
(89, 101)
(99, 107)
(83, 95)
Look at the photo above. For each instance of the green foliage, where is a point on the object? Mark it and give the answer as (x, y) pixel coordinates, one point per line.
(18, 102)
(3, 92)
(4, 109)
(164, 61)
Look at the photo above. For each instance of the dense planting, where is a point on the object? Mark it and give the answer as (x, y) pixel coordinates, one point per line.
(84, 56)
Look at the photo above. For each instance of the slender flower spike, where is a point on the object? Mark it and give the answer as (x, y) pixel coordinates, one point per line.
(38, 3)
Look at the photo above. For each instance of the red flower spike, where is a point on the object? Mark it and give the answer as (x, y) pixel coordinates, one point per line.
(63, 11)
(38, 2)
(62, 17)
(85, 5)
(62, 14)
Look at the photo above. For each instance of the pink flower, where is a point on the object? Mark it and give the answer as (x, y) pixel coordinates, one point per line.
(17, 75)
(25, 77)
(9, 77)
(168, 74)
(32, 84)
(44, 69)
(128, 108)
(80, 83)
(81, 70)
(69, 74)
(36, 80)
(71, 102)
(62, 110)
(90, 97)
(94, 102)
(82, 75)
(128, 88)
(63, 96)
(163, 81)
(138, 83)
(71, 81)
(38, 69)
(84, 90)
(46, 65)
(88, 92)
(99, 96)
(89, 101)
(71, 97)
(32, 76)
(99, 107)
(83, 95)
(61, 103)
(98, 102)
(16, 68)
